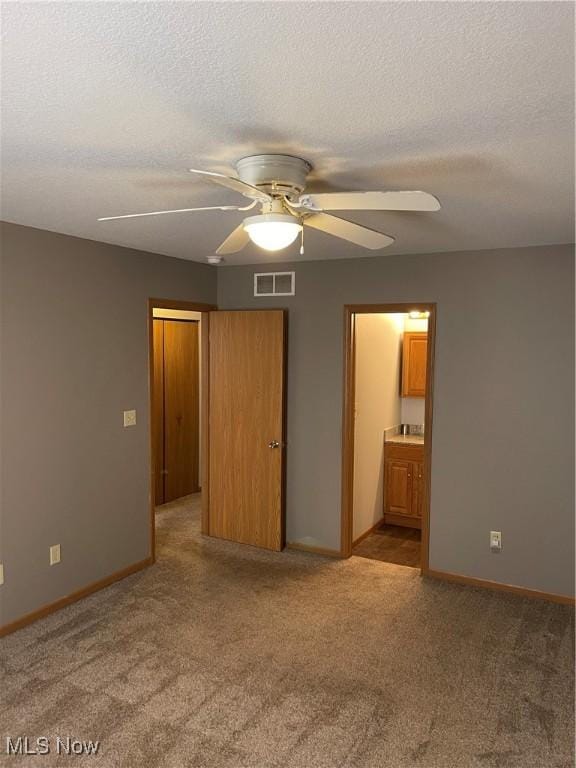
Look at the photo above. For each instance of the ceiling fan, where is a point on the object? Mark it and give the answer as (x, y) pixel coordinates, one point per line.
(276, 183)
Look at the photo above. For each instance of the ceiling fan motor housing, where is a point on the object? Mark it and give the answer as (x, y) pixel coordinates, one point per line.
(278, 175)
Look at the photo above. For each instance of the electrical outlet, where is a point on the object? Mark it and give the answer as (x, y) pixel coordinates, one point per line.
(496, 541)
(129, 418)
(1, 573)
(54, 554)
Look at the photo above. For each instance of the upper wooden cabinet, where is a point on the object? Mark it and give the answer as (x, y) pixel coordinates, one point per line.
(414, 352)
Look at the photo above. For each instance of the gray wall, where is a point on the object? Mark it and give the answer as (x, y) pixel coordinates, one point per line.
(503, 448)
(74, 355)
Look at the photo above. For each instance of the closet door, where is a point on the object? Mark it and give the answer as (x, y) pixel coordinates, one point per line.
(181, 409)
(158, 410)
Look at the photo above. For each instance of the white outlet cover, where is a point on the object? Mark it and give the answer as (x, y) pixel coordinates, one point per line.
(496, 541)
(130, 418)
(1, 573)
(54, 554)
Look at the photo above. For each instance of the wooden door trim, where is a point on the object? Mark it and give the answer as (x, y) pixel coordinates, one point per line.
(205, 431)
(158, 403)
(192, 306)
(175, 319)
(347, 495)
(284, 427)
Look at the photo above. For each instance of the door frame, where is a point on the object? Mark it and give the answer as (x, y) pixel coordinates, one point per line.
(204, 309)
(347, 497)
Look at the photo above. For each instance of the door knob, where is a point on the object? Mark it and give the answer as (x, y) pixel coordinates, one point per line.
(273, 444)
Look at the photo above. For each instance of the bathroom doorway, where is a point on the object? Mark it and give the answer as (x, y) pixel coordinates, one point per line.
(387, 432)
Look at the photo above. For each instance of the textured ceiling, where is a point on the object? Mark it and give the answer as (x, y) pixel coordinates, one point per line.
(106, 105)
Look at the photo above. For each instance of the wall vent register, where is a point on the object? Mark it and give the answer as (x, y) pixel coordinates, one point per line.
(274, 284)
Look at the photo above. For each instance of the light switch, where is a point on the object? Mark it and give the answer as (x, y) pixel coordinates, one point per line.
(54, 554)
(496, 541)
(129, 418)
(1, 573)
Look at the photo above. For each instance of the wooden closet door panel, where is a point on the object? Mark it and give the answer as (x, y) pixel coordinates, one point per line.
(181, 408)
(158, 409)
(246, 416)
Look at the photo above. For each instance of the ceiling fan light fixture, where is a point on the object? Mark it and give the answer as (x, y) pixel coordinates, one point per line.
(277, 183)
(272, 231)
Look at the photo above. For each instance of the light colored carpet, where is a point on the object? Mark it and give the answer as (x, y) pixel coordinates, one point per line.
(225, 656)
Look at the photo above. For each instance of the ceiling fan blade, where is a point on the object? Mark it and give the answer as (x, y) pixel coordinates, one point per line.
(367, 238)
(235, 241)
(248, 190)
(371, 201)
(178, 210)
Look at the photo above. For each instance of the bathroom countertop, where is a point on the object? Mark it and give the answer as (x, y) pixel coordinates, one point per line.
(406, 439)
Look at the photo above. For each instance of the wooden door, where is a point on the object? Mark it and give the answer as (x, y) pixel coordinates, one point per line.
(398, 492)
(181, 409)
(158, 409)
(246, 427)
(417, 488)
(414, 353)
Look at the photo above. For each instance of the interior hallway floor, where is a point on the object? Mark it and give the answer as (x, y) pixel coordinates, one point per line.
(226, 656)
(395, 544)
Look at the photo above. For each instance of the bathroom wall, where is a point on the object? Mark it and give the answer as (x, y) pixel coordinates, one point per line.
(377, 407)
(412, 410)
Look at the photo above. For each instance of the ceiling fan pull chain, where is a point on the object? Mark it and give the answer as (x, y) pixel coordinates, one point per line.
(302, 245)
